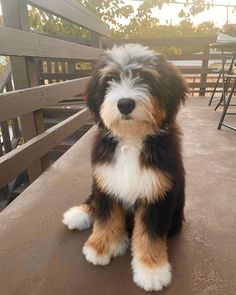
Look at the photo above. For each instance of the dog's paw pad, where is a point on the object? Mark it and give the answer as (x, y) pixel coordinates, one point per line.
(151, 279)
(78, 218)
(92, 256)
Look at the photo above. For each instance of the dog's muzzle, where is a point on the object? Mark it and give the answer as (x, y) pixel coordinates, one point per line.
(126, 105)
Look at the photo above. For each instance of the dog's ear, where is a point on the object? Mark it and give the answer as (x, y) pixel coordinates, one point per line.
(173, 88)
(95, 90)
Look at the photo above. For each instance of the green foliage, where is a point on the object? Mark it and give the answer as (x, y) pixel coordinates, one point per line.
(45, 22)
(143, 24)
(107, 10)
(229, 29)
(199, 6)
(3, 61)
(153, 29)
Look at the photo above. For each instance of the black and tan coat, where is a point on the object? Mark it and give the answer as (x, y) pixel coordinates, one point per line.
(138, 174)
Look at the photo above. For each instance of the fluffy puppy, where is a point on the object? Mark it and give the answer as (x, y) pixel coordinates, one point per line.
(138, 174)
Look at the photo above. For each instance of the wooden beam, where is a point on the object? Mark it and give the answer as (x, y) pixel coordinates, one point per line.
(195, 70)
(198, 84)
(74, 12)
(18, 160)
(156, 42)
(72, 39)
(1, 149)
(6, 136)
(14, 122)
(19, 102)
(35, 45)
(204, 74)
(195, 57)
(64, 76)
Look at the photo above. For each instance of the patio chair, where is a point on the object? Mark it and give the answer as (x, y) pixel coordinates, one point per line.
(228, 104)
(226, 81)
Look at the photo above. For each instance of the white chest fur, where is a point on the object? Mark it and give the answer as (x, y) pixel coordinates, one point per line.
(126, 179)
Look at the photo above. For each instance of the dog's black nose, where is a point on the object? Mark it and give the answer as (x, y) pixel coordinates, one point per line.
(126, 105)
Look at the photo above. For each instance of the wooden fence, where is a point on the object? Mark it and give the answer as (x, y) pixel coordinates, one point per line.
(38, 59)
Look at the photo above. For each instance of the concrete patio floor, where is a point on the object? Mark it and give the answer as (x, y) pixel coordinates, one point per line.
(40, 256)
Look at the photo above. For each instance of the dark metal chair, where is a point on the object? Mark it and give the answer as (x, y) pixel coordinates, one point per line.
(227, 103)
(226, 80)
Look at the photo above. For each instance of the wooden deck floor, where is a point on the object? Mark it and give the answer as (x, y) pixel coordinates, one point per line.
(40, 256)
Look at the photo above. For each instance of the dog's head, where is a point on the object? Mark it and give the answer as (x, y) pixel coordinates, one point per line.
(134, 91)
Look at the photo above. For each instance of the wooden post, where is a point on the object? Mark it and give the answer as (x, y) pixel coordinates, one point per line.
(71, 66)
(1, 149)
(204, 72)
(25, 74)
(63, 66)
(57, 70)
(14, 121)
(96, 40)
(6, 137)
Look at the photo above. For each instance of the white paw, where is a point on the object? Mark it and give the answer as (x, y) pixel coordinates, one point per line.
(92, 256)
(117, 249)
(78, 217)
(151, 279)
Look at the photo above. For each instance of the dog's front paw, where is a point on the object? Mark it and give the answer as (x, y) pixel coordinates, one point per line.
(93, 257)
(116, 249)
(153, 278)
(78, 217)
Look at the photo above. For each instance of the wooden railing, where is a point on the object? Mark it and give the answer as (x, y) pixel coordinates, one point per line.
(54, 70)
(201, 78)
(32, 56)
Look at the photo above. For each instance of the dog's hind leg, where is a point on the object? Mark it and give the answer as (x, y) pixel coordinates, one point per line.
(178, 215)
(79, 217)
(177, 221)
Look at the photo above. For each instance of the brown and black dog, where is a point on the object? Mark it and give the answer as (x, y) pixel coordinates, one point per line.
(138, 174)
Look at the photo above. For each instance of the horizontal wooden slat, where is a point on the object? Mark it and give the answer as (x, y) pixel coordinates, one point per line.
(156, 42)
(72, 39)
(195, 57)
(20, 102)
(18, 160)
(64, 76)
(74, 12)
(195, 70)
(208, 84)
(6, 136)
(20, 43)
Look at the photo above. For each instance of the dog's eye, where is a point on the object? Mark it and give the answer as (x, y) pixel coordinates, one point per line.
(110, 78)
